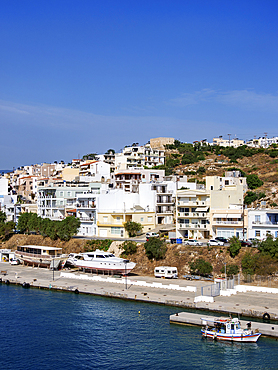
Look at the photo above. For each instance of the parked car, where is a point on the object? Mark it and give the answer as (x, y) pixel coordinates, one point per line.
(152, 235)
(245, 243)
(222, 239)
(213, 242)
(14, 261)
(193, 242)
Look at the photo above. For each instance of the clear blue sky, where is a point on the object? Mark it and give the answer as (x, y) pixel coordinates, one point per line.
(83, 76)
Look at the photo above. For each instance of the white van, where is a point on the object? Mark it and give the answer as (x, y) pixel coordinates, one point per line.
(166, 272)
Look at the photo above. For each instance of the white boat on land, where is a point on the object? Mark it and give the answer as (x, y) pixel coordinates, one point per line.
(100, 261)
(228, 329)
(41, 256)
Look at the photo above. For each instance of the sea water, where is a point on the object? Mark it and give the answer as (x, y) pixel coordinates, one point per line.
(44, 329)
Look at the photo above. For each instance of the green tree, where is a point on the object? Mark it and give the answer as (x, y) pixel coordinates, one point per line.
(133, 228)
(234, 246)
(253, 181)
(3, 217)
(67, 228)
(200, 267)
(129, 247)
(231, 269)
(248, 264)
(23, 222)
(155, 249)
(269, 246)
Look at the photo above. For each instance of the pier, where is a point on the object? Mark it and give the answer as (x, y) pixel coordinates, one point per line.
(188, 318)
(177, 292)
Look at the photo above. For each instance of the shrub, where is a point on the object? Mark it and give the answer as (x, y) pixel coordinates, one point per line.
(92, 245)
(231, 270)
(253, 181)
(234, 246)
(129, 247)
(200, 267)
(155, 248)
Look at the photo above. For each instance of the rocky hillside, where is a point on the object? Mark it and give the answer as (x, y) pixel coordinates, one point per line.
(176, 255)
(261, 164)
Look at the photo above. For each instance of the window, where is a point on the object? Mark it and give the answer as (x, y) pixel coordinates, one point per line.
(257, 218)
(150, 218)
(257, 233)
(116, 230)
(142, 219)
(226, 182)
(105, 219)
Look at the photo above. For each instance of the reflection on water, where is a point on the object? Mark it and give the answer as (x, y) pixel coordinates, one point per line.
(54, 330)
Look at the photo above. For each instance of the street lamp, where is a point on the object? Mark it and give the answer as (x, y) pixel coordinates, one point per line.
(53, 266)
(125, 262)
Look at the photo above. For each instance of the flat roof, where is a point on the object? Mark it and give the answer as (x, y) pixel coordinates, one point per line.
(41, 247)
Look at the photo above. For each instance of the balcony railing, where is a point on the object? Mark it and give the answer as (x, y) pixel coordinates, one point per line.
(193, 226)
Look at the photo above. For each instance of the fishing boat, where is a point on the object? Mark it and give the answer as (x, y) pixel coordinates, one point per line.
(228, 329)
(41, 256)
(100, 261)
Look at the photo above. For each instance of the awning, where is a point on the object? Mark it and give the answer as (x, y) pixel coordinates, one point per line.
(220, 215)
(229, 215)
(201, 209)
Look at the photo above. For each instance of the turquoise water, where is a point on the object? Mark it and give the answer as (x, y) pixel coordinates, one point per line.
(52, 330)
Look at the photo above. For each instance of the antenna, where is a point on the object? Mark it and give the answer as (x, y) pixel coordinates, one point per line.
(229, 139)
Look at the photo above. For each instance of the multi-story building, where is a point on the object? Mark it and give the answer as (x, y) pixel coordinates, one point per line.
(129, 180)
(262, 142)
(262, 222)
(214, 211)
(79, 200)
(117, 207)
(227, 142)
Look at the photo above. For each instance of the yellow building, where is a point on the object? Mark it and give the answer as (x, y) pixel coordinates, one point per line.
(111, 224)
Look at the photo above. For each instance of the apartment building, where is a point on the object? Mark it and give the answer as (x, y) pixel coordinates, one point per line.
(262, 142)
(115, 207)
(235, 143)
(262, 222)
(57, 202)
(214, 211)
(129, 180)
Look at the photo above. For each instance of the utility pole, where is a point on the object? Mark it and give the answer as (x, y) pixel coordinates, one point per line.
(229, 139)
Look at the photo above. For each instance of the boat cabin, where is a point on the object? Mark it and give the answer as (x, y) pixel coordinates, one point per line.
(166, 272)
(38, 250)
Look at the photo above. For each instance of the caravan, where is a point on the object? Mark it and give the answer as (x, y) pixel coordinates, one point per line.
(166, 272)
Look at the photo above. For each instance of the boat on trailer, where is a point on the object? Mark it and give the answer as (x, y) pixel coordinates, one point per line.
(100, 261)
(228, 329)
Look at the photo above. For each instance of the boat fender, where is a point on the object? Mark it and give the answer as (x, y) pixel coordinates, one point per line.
(266, 316)
(25, 285)
(7, 282)
(76, 291)
(0, 280)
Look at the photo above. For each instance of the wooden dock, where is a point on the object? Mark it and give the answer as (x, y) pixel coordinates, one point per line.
(188, 318)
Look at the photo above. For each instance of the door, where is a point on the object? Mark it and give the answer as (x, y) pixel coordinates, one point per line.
(103, 233)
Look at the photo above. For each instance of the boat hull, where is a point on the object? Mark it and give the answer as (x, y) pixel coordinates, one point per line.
(230, 337)
(113, 268)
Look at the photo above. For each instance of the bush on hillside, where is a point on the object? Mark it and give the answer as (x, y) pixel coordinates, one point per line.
(155, 249)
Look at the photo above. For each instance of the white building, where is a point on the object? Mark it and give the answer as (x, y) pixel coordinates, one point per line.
(262, 222)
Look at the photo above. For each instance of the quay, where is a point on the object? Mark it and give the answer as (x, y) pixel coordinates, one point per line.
(188, 318)
(177, 292)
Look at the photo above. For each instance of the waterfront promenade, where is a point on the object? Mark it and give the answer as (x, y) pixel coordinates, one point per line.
(251, 304)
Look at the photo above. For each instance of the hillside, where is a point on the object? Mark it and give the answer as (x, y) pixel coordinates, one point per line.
(212, 164)
(176, 255)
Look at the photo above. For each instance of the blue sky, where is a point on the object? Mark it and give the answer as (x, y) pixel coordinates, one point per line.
(83, 76)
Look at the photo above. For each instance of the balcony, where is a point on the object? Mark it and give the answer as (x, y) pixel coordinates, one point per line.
(193, 214)
(194, 226)
(240, 223)
(265, 223)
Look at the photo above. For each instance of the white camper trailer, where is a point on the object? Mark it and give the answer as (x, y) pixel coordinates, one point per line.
(166, 272)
